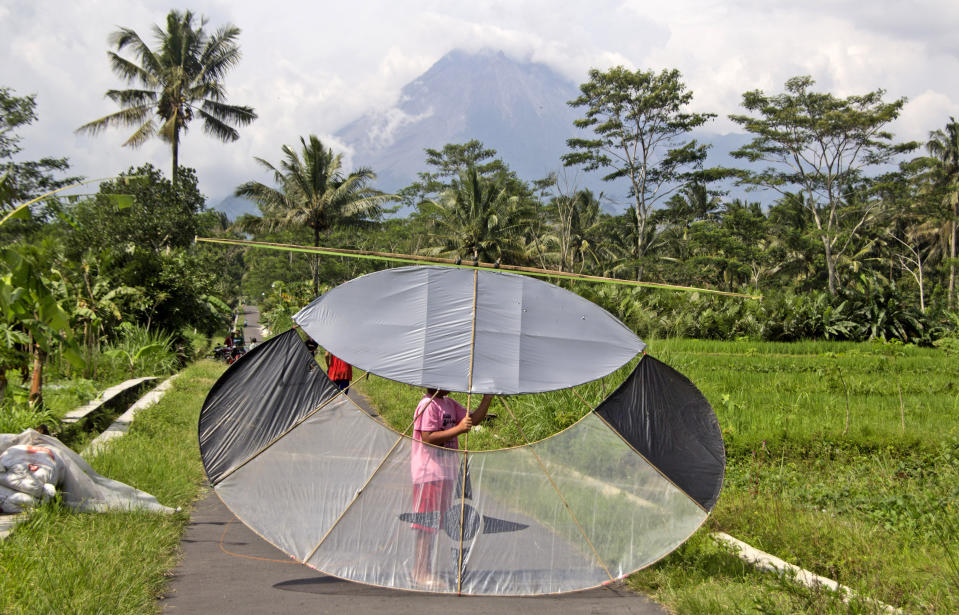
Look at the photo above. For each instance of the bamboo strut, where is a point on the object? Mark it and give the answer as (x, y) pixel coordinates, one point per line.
(279, 437)
(469, 398)
(418, 259)
(359, 491)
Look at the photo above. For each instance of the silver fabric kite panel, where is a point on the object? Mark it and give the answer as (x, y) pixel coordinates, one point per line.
(467, 330)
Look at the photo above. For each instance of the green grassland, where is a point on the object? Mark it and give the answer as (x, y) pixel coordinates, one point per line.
(65, 562)
(843, 458)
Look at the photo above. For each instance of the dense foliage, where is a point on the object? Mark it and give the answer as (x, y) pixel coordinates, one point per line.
(850, 250)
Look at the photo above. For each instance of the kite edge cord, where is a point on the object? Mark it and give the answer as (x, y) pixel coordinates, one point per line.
(421, 260)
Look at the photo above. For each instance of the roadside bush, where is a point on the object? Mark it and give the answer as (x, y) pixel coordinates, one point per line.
(139, 351)
(17, 415)
(283, 301)
(192, 345)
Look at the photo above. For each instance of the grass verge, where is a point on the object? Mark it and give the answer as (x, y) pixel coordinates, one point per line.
(104, 563)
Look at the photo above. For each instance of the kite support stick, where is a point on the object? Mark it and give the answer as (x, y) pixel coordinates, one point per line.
(466, 443)
(576, 393)
(558, 492)
(356, 496)
(417, 260)
(372, 474)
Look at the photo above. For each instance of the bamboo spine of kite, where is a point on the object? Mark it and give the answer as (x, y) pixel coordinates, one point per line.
(435, 260)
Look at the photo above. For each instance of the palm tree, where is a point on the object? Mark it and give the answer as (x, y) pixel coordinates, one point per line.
(313, 192)
(577, 232)
(478, 220)
(943, 148)
(179, 79)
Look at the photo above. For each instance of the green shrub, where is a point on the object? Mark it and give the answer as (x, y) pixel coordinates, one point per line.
(139, 351)
(17, 415)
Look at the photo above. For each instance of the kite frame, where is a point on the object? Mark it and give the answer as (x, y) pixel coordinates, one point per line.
(466, 452)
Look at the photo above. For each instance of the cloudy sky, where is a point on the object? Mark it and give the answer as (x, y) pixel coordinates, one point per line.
(310, 67)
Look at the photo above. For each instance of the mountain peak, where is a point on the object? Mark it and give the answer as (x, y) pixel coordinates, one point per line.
(516, 107)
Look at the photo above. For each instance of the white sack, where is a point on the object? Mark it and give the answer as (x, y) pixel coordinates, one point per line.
(14, 501)
(26, 468)
(81, 487)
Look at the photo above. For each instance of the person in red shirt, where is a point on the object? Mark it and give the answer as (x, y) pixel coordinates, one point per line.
(339, 371)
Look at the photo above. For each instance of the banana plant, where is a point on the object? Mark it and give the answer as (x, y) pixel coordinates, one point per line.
(31, 313)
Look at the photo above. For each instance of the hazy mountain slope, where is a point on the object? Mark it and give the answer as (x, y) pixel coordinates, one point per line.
(517, 108)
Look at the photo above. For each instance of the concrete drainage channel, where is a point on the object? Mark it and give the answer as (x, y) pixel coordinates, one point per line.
(109, 398)
(122, 423)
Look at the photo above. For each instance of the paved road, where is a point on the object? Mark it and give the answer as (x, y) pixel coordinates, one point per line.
(252, 329)
(228, 569)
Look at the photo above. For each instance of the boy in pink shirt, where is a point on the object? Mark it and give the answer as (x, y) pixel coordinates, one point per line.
(438, 422)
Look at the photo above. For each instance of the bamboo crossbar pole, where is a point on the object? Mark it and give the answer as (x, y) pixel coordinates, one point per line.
(466, 445)
(417, 258)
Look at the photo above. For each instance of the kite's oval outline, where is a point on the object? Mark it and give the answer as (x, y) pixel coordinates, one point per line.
(357, 408)
(466, 452)
(581, 304)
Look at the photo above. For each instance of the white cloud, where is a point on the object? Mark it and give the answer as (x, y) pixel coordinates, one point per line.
(310, 67)
(926, 112)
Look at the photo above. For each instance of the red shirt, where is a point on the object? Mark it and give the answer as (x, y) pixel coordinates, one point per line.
(339, 369)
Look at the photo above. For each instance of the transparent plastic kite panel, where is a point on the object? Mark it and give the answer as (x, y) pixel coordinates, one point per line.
(294, 491)
(480, 539)
(630, 512)
(525, 541)
(370, 543)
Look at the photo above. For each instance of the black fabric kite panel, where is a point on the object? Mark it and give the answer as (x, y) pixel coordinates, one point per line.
(257, 399)
(667, 419)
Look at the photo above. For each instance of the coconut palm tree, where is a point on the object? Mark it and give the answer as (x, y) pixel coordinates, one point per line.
(478, 220)
(175, 82)
(943, 148)
(313, 192)
(578, 231)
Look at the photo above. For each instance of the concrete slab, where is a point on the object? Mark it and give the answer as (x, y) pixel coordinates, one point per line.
(226, 568)
(10, 521)
(104, 398)
(122, 424)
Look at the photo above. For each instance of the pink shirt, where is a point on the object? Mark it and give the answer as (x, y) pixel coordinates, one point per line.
(432, 463)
